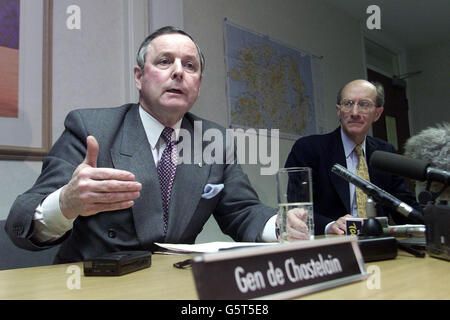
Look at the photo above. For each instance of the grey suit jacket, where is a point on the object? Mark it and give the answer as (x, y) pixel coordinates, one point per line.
(124, 145)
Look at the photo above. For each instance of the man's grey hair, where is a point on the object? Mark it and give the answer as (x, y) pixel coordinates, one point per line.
(380, 94)
(431, 145)
(142, 52)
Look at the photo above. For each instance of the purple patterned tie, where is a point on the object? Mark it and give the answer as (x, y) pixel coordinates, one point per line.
(167, 166)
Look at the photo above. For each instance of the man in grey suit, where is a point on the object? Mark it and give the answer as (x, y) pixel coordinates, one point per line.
(99, 190)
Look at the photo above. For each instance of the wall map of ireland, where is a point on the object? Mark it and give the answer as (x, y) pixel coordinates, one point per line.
(269, 85)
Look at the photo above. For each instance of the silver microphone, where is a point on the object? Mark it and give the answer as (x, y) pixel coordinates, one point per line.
(406, 230)
(378, 194)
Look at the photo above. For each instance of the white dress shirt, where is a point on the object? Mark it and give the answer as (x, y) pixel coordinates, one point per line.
(351, 159)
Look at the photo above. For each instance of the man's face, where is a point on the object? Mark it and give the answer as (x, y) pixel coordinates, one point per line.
(355, 123)
(170, 82)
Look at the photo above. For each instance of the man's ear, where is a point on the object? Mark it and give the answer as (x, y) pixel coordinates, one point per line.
(338, 110)
(137, 77)
(378, 112)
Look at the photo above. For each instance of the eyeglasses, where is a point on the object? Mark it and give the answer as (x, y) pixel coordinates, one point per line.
(364, 106)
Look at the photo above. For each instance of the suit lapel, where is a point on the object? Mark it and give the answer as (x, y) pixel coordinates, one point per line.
(131, 152)
(338, 156)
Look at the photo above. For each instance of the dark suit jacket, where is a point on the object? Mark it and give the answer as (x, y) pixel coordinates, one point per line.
(331, 193)
(124, 145)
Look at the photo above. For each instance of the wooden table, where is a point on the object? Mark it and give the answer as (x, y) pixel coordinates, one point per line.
(405, 277)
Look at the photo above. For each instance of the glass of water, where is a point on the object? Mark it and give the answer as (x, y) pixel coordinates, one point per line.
(294, 186)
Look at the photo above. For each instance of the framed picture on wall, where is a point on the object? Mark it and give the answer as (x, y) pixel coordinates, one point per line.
(25, 79)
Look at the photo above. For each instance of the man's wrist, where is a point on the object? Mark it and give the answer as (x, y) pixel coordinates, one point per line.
(269, 232)
(327, 227)
(68, 214)
(49, 222)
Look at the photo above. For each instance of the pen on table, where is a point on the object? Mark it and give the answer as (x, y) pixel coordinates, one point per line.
(183, 264)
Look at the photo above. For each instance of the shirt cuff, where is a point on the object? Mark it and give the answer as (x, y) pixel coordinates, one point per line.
(49, 222)
(327, 226)
(269, 234)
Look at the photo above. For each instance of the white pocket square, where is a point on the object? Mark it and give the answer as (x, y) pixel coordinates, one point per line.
(211, 190)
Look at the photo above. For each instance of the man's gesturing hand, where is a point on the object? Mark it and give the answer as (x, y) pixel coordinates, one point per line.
(92, 190)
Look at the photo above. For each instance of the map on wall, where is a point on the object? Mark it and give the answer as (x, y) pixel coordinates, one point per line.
(269, 85)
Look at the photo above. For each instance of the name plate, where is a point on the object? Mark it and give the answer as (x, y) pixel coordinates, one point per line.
(279, 271)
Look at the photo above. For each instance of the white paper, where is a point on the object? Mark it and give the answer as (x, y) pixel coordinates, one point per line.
(209, 247)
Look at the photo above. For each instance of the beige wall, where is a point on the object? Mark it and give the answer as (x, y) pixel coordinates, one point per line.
(429, 94)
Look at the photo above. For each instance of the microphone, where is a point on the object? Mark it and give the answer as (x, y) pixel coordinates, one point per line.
(411, 168)
(378, 194)
(406, 230)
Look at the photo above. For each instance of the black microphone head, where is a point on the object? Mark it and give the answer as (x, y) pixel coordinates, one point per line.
(400, 165)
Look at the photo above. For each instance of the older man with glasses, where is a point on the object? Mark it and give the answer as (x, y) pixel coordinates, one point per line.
(359, 104)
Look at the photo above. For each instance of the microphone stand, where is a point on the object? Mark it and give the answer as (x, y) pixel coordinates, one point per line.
(372, 228)
(427, 196)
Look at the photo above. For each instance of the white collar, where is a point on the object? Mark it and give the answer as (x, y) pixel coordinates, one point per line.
(153, 127)
(349, 144)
